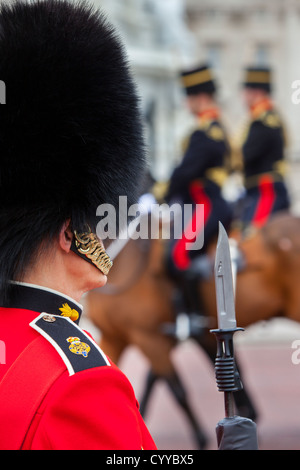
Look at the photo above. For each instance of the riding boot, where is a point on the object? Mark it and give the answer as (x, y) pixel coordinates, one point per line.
(188, 322)
(189, 285)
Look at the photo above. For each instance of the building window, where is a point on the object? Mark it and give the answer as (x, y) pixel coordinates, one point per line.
(214, 55)
(262, 55)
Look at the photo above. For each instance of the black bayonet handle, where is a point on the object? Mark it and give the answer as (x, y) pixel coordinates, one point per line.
(226, 372)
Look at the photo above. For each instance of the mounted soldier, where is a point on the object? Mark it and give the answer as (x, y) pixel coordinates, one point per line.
(263, 151)
(198, 180)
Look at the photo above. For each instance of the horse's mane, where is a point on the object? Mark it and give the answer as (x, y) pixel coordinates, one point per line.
(282, 232)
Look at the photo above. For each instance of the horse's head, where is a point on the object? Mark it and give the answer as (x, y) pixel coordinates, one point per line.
(265, 285)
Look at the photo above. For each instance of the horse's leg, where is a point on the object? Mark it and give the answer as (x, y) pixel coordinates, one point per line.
(180, 395)
(157, 348)
(242, 399)
(177, 389)
(150, 381)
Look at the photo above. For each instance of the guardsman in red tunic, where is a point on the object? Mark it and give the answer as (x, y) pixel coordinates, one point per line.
(263, 152)
(71, 140)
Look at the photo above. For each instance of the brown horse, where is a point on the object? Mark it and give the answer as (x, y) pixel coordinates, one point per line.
(138, 302)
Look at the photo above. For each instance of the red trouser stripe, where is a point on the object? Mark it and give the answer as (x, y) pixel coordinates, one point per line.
(266, 201)
(180, 253)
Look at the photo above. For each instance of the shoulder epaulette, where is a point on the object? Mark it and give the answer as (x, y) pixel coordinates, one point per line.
(213, 130)
(270, 119)
(77, 349)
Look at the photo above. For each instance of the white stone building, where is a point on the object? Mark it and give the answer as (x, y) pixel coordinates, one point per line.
(158, 43)
(164, 36)
(235, 33)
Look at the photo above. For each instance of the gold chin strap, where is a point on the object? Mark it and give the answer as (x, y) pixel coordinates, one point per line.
(88, 244)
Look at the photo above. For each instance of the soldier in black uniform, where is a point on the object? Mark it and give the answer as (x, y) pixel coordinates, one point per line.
(263, 152)
(200, 176)
(202, 172)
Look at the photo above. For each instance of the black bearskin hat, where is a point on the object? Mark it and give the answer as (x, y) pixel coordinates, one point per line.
(70, 131)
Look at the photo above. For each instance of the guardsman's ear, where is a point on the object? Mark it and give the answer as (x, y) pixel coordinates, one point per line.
(65, 237)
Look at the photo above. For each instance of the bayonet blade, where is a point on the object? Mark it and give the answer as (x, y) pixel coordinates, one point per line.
(224, 283)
